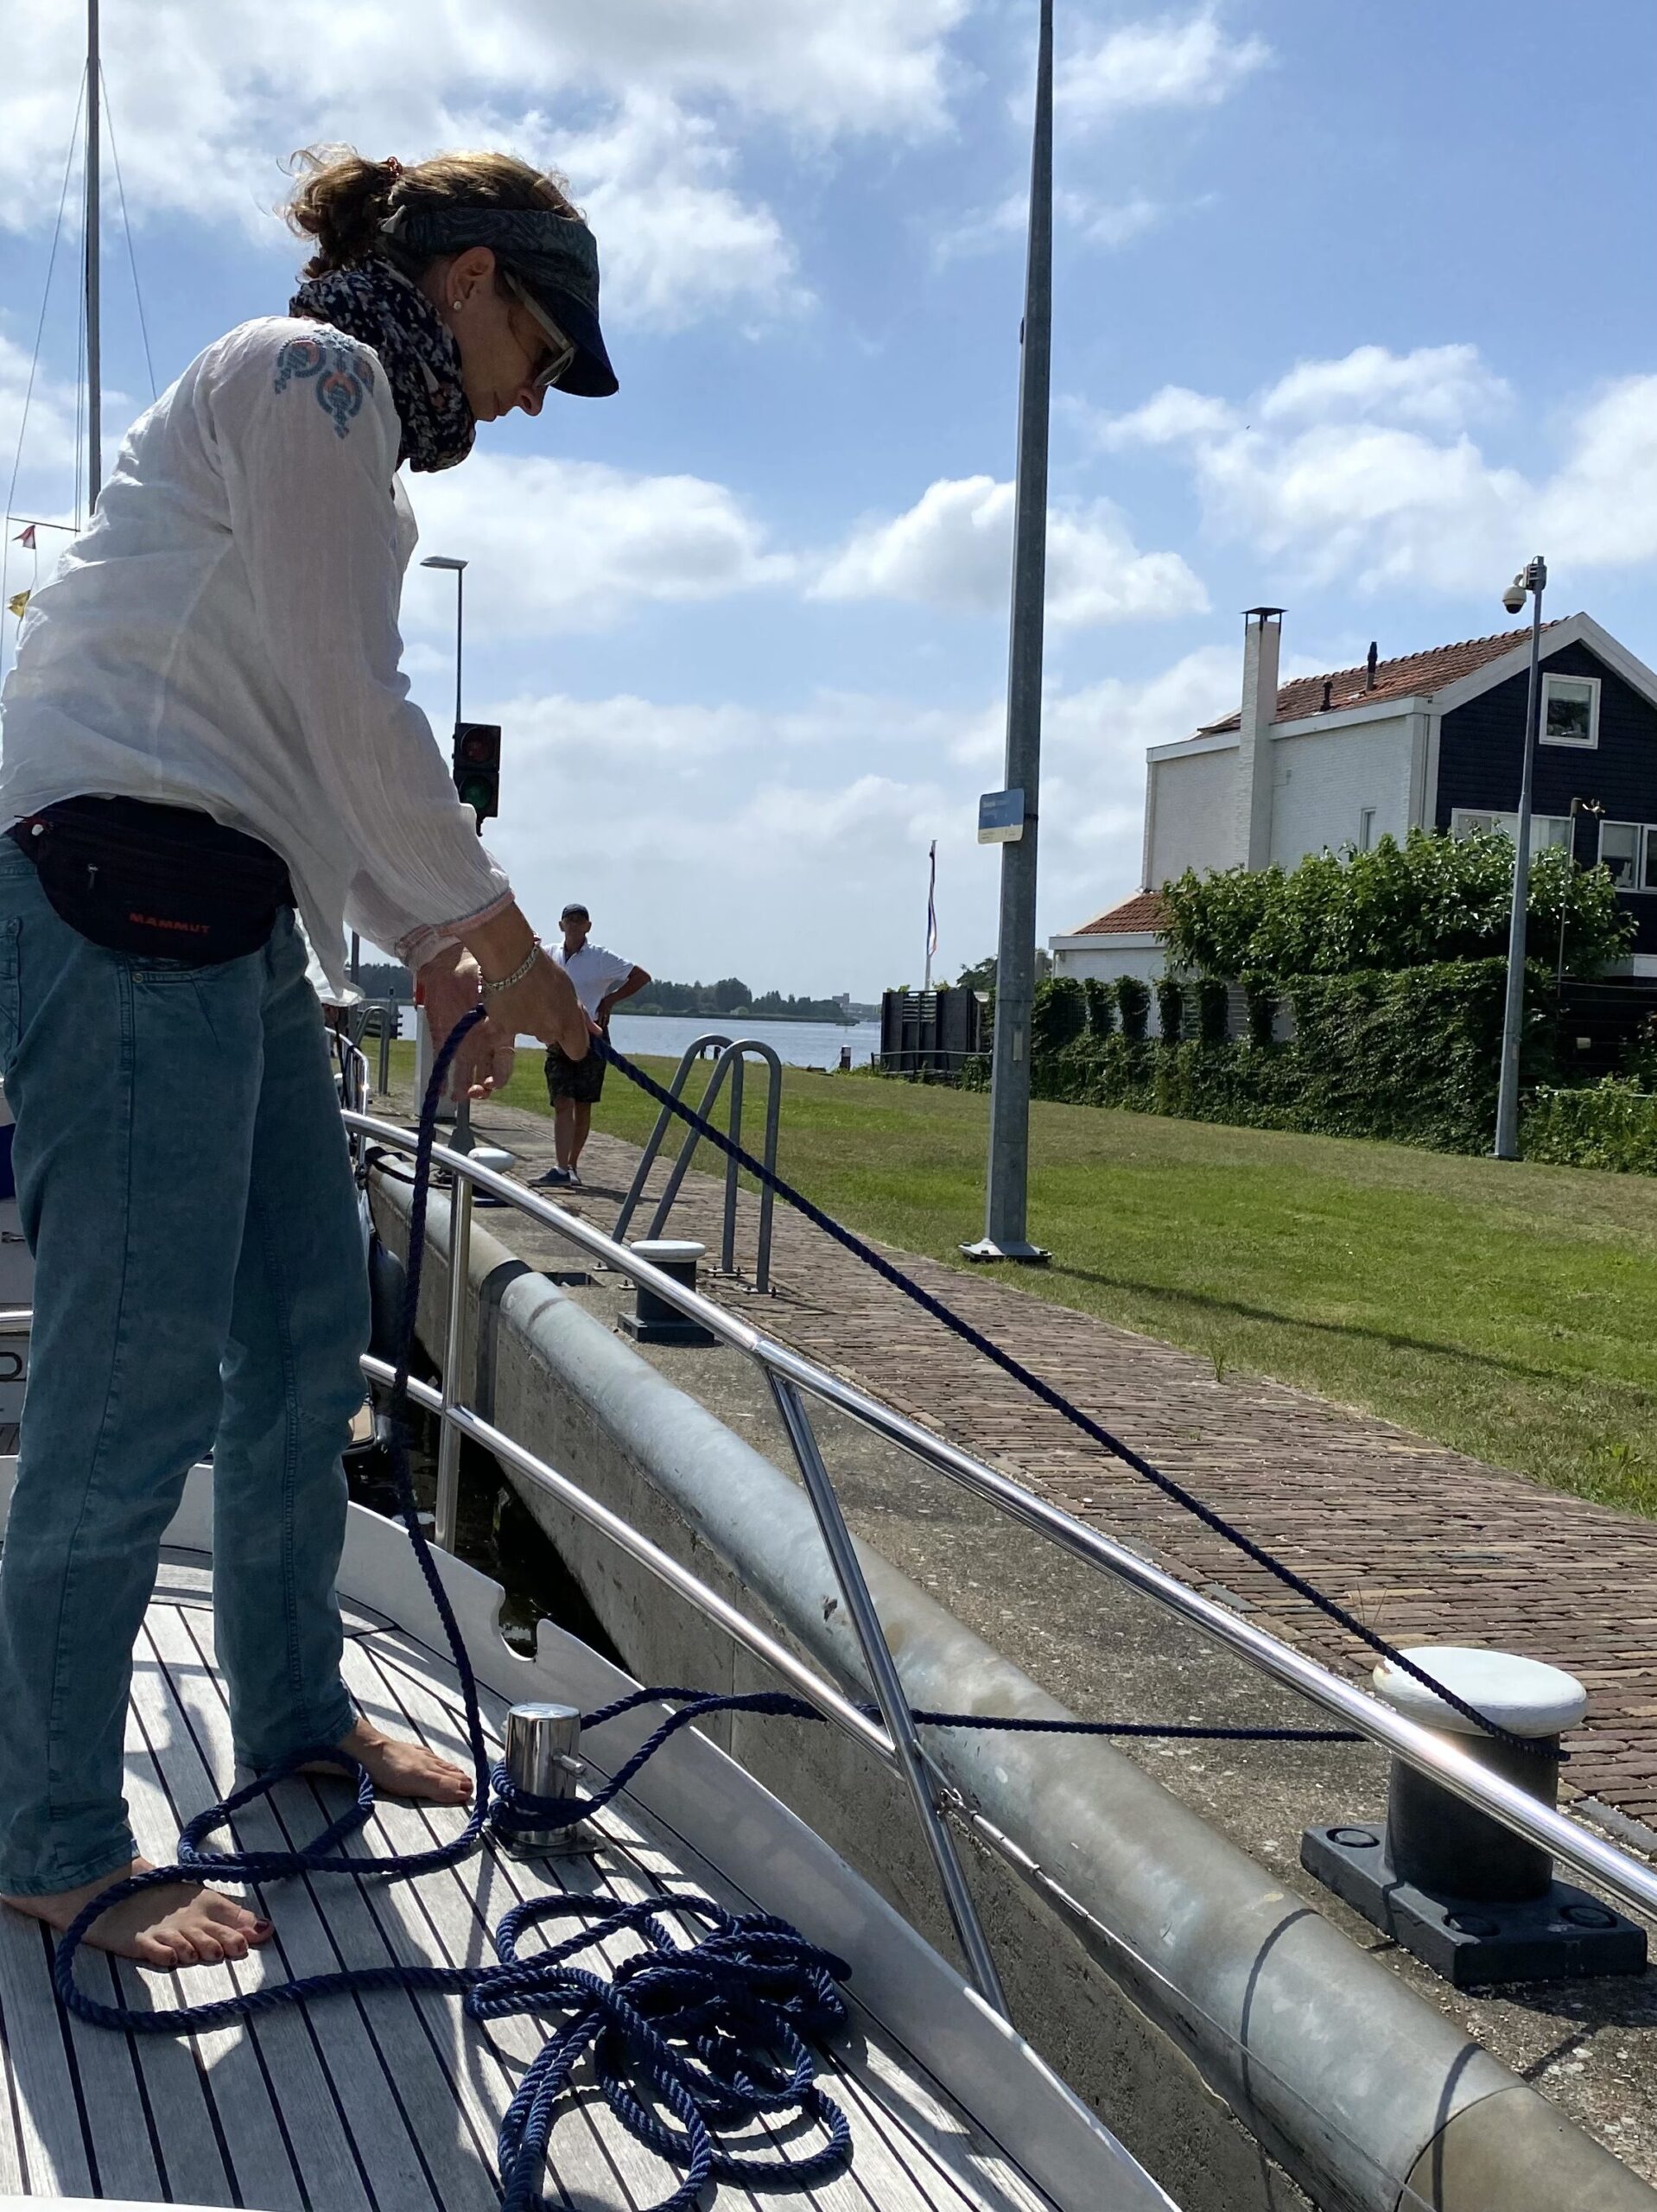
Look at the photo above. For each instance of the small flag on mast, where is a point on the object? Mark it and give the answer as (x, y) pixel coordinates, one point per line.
(16, 603)
(26, 537)
(931, 912)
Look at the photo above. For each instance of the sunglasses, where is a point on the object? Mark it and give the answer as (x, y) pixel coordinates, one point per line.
(560, 349)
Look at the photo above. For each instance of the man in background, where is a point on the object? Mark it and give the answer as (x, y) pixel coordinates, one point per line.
(601, 979)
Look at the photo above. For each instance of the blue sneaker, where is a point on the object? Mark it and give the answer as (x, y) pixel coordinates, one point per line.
(557, 1178)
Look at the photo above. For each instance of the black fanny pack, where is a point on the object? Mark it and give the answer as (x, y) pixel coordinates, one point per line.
(161, 881)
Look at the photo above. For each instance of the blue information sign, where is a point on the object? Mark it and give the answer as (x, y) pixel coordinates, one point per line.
(1000, 817)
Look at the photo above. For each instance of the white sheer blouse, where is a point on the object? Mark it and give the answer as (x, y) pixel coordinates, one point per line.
(225, 635)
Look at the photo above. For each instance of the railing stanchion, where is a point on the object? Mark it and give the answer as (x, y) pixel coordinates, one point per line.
(448, 1437)
(727, 1240)
(888, 1689)
(693, 1051)
(767, 1196)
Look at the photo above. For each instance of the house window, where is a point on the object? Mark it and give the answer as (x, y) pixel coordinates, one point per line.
(1545, 829)
(1367, 829)
(1619, 851)
(1571, 711)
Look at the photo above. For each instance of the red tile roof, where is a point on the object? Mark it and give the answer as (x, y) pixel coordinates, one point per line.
(1395, 679)
(1143, 911)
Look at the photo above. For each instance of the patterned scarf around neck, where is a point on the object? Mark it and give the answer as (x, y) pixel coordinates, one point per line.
(385, 309)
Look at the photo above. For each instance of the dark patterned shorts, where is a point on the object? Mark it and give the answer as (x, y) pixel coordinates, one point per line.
(580, 1080)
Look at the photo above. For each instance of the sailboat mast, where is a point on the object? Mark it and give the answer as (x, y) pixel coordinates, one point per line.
(94, 364)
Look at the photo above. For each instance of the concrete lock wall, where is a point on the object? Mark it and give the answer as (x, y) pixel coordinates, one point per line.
(1189, 1990)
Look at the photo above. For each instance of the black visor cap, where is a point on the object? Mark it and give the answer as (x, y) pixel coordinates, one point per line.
(590, 376)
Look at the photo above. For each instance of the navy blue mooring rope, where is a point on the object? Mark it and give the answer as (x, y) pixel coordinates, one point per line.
(1543, 1747)
(715, 2035)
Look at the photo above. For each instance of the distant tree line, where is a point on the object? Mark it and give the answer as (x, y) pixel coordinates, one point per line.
(731, 996)
(385, 979)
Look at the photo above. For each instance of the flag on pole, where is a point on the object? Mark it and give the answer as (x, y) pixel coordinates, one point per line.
(26, 537)
(931, 912)
(16, 603)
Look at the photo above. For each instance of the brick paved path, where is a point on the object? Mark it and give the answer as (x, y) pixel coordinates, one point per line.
(1421, 1543)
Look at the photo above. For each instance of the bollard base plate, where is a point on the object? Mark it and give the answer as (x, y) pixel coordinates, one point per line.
(676, 1331)
(1473, 1942)
(582, 1841)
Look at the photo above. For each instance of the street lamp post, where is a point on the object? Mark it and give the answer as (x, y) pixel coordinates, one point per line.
(1531, 582)
(462, 1140)
(457, 568)
(1577, 806)
(1007, 1181)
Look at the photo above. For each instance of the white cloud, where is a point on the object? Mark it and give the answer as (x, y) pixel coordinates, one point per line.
(1092, 220)
(1169, 417)
(1107, 222)
(953, 549)
(1366, 468)
(207, 101)
(51, 412)
(1439, 386)
(569, 545)
(680, 242)
(1172, 63)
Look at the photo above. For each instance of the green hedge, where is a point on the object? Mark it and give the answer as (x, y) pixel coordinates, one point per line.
(1410, 1056)
(1609, 1124)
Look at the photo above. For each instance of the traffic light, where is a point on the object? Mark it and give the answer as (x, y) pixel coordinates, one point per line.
(476, 766)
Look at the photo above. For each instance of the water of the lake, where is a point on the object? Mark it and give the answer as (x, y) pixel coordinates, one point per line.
(796, 1044)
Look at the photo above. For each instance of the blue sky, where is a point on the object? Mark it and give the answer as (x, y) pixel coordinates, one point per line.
(1354, 313)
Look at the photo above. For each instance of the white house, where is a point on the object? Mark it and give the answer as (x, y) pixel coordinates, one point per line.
(1432, 741)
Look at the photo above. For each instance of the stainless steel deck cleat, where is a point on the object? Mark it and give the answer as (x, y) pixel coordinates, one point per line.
(543, 1759)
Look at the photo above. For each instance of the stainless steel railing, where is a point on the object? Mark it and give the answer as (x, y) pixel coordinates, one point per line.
(793, 1380)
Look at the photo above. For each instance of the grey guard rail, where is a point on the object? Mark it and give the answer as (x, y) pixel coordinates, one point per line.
(1594, 1858)
(730, 1055)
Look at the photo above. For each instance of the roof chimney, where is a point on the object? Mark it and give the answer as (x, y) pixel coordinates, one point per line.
(1369, 668)
(1329, 691)
(1252, 825)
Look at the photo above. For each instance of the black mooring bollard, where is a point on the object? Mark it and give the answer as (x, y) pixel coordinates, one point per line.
(652, 1321)
(1475, 1901)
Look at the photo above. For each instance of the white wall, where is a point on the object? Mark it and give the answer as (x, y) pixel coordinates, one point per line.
(1192, 817)
(1107, 958)
(1322, 782)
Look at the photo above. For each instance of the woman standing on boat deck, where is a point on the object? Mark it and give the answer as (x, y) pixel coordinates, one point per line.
(207, 729)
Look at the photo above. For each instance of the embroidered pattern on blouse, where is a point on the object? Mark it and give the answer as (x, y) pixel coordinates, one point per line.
(343, 378)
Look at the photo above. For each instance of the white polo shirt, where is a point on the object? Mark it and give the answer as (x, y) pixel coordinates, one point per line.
(593, 972)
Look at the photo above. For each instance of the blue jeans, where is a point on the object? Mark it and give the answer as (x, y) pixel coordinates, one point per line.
(200, 1282)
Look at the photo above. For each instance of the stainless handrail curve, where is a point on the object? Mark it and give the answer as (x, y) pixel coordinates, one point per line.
(1595, 1859)
(811, 1685)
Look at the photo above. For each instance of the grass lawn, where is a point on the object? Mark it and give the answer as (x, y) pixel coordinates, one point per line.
(1508, 1310)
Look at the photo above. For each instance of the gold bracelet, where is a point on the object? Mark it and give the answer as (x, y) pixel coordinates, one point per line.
(505, 983)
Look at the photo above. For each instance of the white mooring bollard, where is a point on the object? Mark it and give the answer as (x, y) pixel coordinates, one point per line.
(1477, 1902)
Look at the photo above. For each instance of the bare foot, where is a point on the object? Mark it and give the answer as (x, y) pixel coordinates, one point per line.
(400, 1768)
(175, 1924)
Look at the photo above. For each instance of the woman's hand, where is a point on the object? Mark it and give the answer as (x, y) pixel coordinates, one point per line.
(543, 1005)
(450, 986)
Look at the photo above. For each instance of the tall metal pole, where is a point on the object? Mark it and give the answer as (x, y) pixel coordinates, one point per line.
(1513, 1018)
(462, 1140)
(1006, 1192)
(459, 635)
(94, 349)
